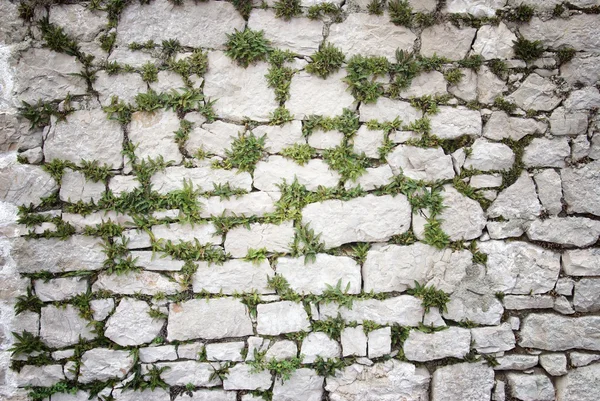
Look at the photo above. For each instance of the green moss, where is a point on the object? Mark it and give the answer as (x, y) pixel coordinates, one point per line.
(498, 67)
(375, 7)
(505, 105)
(473, 62)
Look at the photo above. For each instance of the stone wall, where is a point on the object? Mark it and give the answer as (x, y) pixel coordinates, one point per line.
(299, 201)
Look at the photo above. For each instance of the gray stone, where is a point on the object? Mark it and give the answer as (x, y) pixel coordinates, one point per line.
(581, 359)
(273, 237)
(354, 342)
(160, 353)
(404, 310)
(530, 387)
(582, 262)
(131, 323)
(281, 317)
(582, 68)
(462, 218)
(486, 181)
(487, 340)
(466, 89)
(197, 373)
(368, 141)
(78, 21)
(59, 289)
(494, 41)
(320, 140)
(74, 187)
(452, 342)
(154, 135)
(516, 362)
(130, 283)
(208, 319)
(581, 188)
(43, 74)
(33, 156)
(579, 32)
(554, 364)
(209, 395)
(549, 190)
(56, 256)
(214, 138)
(478, 8)
(500, 125)
(172, 178)
(544, 152)
(299, 35)
(167, 81)
(233, 276)
(520, 302)
(370, 35)
(430, 83)
(463, 381)
(243, 377)
(332, 100)
(579, 384)
(303, 385)
(101, 308)
(158, 394)
(489, 156)
(140, 23)
(280, 350)
(22, 184)
(186, 232)
(190, 351)
(372, 178)
(587, 295)
(102, 364)
(558, 333)
(12, 29)
(122, 184)
(279, 137)
(154, 261)
(536, 93)
(315, 277)
(569, 231)
(489, 86)
(451, 122)
(124, 85)
(357, 219)
(123, 55)
(380, 342)
(445, 40)
(88, 135)
(239, 92)
(428, 164)
(271, 173)
(382, 381)
(229, 351)
(562, 305)
(583, 99)
(518, 201)
(319, 344)
(564, 122)
(519, 268)
(386, 109)
(45, 376)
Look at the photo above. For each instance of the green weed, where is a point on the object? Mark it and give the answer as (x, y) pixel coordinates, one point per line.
(430, 297)
(327, 60)
(346, 162)
(287, 9)
(327, 367)
(149, 72)
(453, 76)
(332, 326)
(26, 343)
(434, 235)
(473, 62)
(505, 105)
(498, 67)
(256, 255)
(375, 7)
(307, 243)
(245, 152)
(400, 12)
(362, 73)
(527, 50)
(565, 55)
(247, 47)
(28, 302)
(300, 153)
(319, 10)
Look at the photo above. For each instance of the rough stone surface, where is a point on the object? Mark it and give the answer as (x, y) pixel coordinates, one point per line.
(579, 384)
(319, 344)
(74, 188)
(354, 342)
(203, 177)
(131, 323)
(480, 309)
(488, 156)
(281, 317)
(549, 190)
(103, 364)
(536, 93)
(404, 310)
(450, 122)
(554, 364)
(144, 282)
(452, 342)
(558, 333)
(519, 201)
(582, 262)
(494, 41)
(332, 100)
(59, 289)
(563, 122)
(428, 164)
(196, 373)
(387, 110)
(233, 276)
(242, 377)
(271, 173)
(25, 184)
(569, 231)
(493, 339)
(446, 41)
(274, 237)
(579, 32)
(278, 137)
(587, 296)
(500, 125)
(544, 152)
(581, 188)
(154, 135)
(214, 138)
(356, 219)
(463, 381)
(530, 387)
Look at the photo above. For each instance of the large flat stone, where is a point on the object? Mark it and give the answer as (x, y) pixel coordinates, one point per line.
(463, 381)
(536, 93)
(271, 173)
(78, 21)
(579, 384)
(429, 164)
(568, 231)
(581, 188)
(404, 310)
(333, 97)
(581, 32)
(386, 109)
(22, 184)
(453, 342)
(445, 40)
(154, 135)
(582, 262)
(233, 276)
(184, 372)
(130, 283)
(274, 237)
(454, 122)
(131, 323)
(103, 364)
(559, 333)
(281, 317)
(60, 327)
(172, 178)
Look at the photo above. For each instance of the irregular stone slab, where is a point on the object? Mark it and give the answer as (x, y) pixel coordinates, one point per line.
(74, 188)
(45, 376)
(243, 377)
(101, 308)
(299, 35)
(155, 261)
(181, 232)
(569, 231)
(445, 40)
(158, 394)
(579, 384)
(131, 323)
(160, 353)
(489, 156)
(370, 35)
(86, 134)
(486, 181)
(558, 333)
(59, 289)
(520, 302)
(12, 30)
(332, 100)
(274, 237)
(494, 42)
(581, 188)
(582, 359)
(380, 342)
(580, 32)
(430, 83)
(233, 276)
(382, 380)
(564, 122)
(172, 178)
(454, 122)
(22, 184)
(493, 339)
(121, 184)
(480, 309)
(143, 282)
(43, 74)
(372, 178)
(500, 125)
(229, 351)
(61, 327)
(519, 268)
(320, 139)
(543, 152)
(271, 173)
(356, 219)
(519, 201)
(368, 141)
(279, 137)
(582, 262)
(282, 350)
(583, 99)
(386, 109)
(214, 138)
(103, 364)
(314, 277)
(478, 8)
(354, 342)
(123, 85)
(78, 21)
(516, 362)
(154, 135)
(549, 190)
(396, 268)
(587, 295)
(197, 373)
(319, 344)
(452, 342)
(462, 381)
(252, 204)
(208, 319)
(582, 69)
(56, 256)
(303, 385)
(536, 93)
(428, 164)
(239, 92)
(404, 310)
(140, 23)
(530, 387)
(489, 86)
(281, 317)
(462, 218)
(554, 364)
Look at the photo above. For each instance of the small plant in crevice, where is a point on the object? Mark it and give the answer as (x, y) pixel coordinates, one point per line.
(287, 9)
(93, 171)
(308, 243)
(565, 55)
(343, 159)
(360, 251)
(26, 343)
(170, 47)
(375, 7)
(247, 47)
(280, 116)
(402, 72)
(118, 110)
(282, 288)
(453, 76)
(245, 152)
(332, 326)
(432, 63)
(282, 369)
(225, 191)
(326, 61)
(400, 12)
(499, 68)
(56, 39)
(473, 62)
(149, 72)
(430, 297)
(300, 153)
(521, 13)
(362, 75)
(196, 63)
(256, 255)
(337, 294)
(280, 79)
(505, 105)
(527, 50)
(319, 10)
(328, 367)
(244, 7)
(434, 235)
(28, 302)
